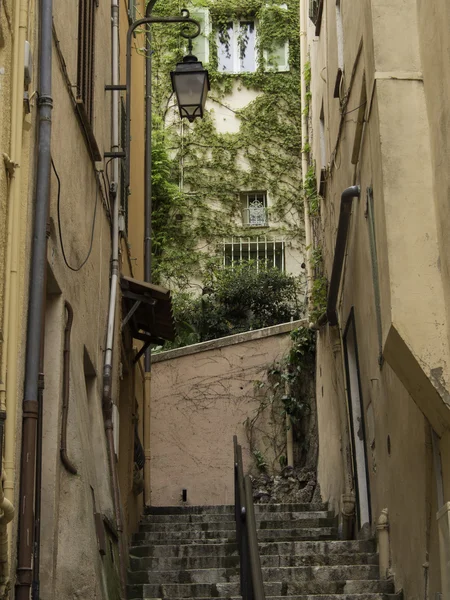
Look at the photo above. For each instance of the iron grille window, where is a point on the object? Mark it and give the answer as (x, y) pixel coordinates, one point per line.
(86, 55)
(263, 252)
(254, 209)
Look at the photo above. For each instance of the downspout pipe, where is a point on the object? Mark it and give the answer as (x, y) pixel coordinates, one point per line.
(305, 140)
(107, 402)
(339, 251)
(35, 309)
(8, 514)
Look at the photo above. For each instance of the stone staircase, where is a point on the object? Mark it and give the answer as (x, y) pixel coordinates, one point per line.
(191, 552)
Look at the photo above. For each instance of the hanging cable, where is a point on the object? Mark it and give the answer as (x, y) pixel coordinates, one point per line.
(59, 223)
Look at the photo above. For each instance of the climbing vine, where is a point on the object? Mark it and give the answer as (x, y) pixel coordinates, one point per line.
(200, 169)
(289, 390)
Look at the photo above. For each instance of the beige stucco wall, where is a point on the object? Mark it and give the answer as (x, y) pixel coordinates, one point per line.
(201, 396)
(389, 57)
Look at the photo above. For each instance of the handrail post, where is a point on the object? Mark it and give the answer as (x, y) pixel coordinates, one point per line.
(255, 561)
(252, 587)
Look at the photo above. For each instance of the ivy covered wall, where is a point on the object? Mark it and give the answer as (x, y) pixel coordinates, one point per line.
(250, 138)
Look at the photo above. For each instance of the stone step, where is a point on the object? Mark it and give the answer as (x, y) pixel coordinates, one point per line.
(225, 517)
(267, 561)
(229, 508)
(225, 590)
(300, 548)
(268, 535)
(368, 596)
(285, 550)
(177, 550)
(285, 574)
(231, 525)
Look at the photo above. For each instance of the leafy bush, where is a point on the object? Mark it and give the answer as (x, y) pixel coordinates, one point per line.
(233, 301)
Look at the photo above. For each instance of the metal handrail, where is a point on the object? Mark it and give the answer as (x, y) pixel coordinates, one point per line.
(252, 587)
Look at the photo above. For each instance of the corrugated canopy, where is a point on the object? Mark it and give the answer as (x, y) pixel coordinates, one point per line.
(148, 311)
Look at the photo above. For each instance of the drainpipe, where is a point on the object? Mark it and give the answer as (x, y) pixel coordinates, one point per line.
(35, 309)
(7, 517)
(303, 54)
(108, 364)
(10, 329)
(68, 464)
(339, 251)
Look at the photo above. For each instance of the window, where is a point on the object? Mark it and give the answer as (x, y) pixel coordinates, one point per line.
(340, 50)
(277, 58)
(200, 44)
(263, 251)
(86, 49)
(254, 209)
(236, 47)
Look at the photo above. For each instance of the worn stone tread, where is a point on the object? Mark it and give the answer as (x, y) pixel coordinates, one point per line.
(231, 525)
(226, 561)
(229, 508)
(273, 588)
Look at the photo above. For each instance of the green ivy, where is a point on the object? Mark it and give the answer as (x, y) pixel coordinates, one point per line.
(198, 171)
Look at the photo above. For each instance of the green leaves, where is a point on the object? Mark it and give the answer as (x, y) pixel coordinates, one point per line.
(234, 301)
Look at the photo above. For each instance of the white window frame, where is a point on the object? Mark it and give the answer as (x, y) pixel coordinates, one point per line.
(194, 13)
(235, 55)
(279, 68)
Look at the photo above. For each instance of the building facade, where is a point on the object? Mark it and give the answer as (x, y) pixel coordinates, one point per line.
(375, 90)
(72, 389)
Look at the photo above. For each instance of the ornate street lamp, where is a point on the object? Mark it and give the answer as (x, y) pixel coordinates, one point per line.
(190, 83)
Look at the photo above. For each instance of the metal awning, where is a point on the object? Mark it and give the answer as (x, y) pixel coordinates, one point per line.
(148, 312)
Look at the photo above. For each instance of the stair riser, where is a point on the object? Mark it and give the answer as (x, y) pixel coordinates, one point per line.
(182, 551)
(183, 564)
(181, 510)
(265, 534)
(285, 550)
(225, 590)
(285, 574)
(224, 562)
(217, 517)
(231, 525)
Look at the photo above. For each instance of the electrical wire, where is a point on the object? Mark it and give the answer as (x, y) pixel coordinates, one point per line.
(353, 109)
(69, 266)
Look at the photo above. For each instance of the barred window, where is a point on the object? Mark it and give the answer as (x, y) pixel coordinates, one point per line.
(264, 252)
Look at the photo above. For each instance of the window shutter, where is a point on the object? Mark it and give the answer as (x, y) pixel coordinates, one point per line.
(86, 56)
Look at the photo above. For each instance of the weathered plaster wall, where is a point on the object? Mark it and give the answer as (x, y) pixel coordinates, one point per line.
(201, 396)
(407, 392)
(71, 564)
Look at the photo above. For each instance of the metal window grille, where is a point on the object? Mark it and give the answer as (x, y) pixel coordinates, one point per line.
(254, 211)
(263, 252)
(86, 54)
